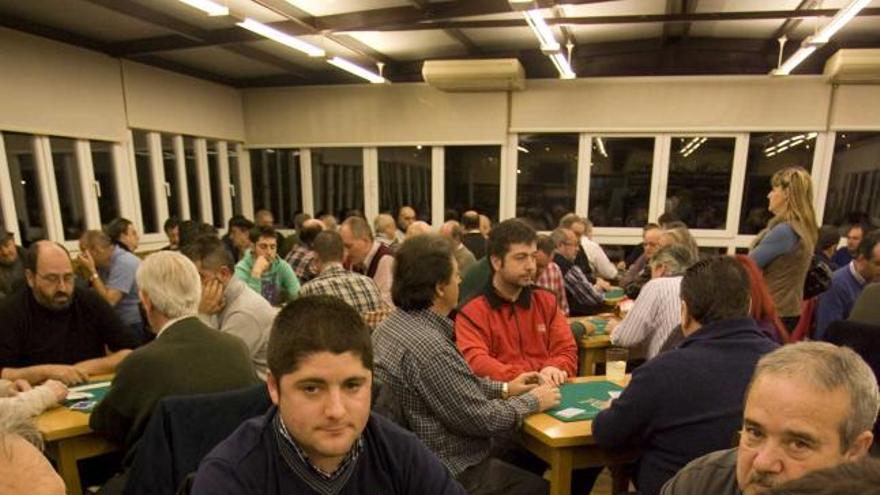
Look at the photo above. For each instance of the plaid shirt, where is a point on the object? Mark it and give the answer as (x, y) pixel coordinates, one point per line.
(454, 412)
(359, 291)
(551, 279)
(300, 260)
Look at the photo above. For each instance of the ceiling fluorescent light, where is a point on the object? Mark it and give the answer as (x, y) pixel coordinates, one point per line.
(794, 60)
(283, 38)
(542, 31)
(839, 20)
(562, 66)
(208, 7)
(356, 70)
(522, 149)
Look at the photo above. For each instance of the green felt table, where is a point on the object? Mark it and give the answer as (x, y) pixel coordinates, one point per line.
(590, 398)
(98, 390)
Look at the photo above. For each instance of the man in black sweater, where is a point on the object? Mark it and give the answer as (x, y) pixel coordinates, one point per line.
(688, 402)
(320, 436)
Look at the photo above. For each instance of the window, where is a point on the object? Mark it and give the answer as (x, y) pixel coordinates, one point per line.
(145, 181)
(25, 187)
(338, 181)
(69, 186)
(234, 178)
(546, 178)
(620, 181)
(770, 152)
(275, 177)
(192, 178)
(405, 179)
(105, 177)
(698, 188)
(217, 191)
(473, 180)
(169, 164)
(854, 188)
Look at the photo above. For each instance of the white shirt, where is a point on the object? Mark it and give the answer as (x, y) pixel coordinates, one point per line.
(599, 262)
(654, 315)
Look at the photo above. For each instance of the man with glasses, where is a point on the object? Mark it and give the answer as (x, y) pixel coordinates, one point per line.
(53, 329)
(639, 272)
(266, 273)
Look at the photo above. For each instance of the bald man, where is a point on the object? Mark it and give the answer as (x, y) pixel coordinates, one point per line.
(417, 228)
(452, 230)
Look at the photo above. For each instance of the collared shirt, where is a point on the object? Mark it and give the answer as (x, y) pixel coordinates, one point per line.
(452, 411)
(384, 275)
(172, 321)
(713, 473)
(359, 291)
(599, 262)
(551, 279)
(120, 275)
(653, 316)
(836, 303)
(288, 446)
(301, 260)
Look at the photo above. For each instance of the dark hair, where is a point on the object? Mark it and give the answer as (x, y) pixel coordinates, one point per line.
(240, 222)
(313, 324)
(866, 247)
(420, 263)
(675, 224)
(32, 255)
(828, 236)
(116, 228)
(262, 231)
(210, 252)
(861, 476)
(470, 220)
(170, 223)
(190, 230)
(716, 288)
(651, 226)
(509, 232)
(546, 244)
(308, 231)
(328, 246)
(299, 219)
(667, 217)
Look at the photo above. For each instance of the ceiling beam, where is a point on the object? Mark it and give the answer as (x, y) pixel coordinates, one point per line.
(62, 35)
(173, 66)
(790, 24)
(468, 44)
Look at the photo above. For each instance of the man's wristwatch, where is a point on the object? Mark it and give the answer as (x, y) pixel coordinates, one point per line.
(93, 277)
(505, 390)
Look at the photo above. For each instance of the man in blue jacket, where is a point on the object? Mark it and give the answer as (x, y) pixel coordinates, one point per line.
(688, 402)
(847, 284)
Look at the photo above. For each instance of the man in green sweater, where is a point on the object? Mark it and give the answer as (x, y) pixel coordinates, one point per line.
(187, 357)
(264, 271)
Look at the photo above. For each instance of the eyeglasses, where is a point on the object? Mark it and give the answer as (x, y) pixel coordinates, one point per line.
(55, 279)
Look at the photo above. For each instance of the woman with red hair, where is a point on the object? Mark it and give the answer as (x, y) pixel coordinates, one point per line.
(763, 309)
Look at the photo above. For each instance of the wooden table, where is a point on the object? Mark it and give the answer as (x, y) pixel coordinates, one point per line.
(69, 439)
(591, 348)
(569, 446)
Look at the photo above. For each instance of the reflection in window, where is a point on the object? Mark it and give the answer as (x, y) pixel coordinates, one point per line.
(698, 189)
(275, 177)
(405, 179)
(169, 164)
(25, 188)
(105, 176)
(338, 181)
(854, 189)
(67, 181)
(472, 180)
(770, 152)
(546, 178)
(145, 182)
(217, 191)
(234, 182)
(620, 181)
(192, 178)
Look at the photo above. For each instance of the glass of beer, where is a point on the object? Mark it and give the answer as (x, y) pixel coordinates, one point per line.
(615, 363)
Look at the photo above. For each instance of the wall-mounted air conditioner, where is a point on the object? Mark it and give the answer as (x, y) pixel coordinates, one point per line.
(475, 75)
(854, 66)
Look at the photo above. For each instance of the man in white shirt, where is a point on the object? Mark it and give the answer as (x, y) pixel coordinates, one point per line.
(599, 262)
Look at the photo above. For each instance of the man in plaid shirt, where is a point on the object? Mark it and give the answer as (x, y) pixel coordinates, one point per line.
(302, 257)
(359, 291)
(549, 276)
(427, 387)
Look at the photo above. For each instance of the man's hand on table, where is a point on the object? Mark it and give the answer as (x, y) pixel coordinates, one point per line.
(554, 375)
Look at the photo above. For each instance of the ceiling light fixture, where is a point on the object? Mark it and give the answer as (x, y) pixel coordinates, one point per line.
(810, 44)
(522, 149)
(601, 147)
(208, 7)
(536, 21)
(549, 45)
(356, 70)
(562, 66)
(283, 38)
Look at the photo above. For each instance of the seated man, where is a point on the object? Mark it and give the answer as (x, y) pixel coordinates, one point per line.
(23, 468)
(264, 272)
(265, 218)
(854, 235)
(583, 296)
(639, 272)
(406, 215)
(187, 357)
(238, 236)
(472, 238)
(847, 283)
(657, 311)
(53, 329)
(367, 256)
(866, 309)
(320, 436)
(548, 275)
(809, 406)
(228, 304)
(111, 272)
(599, 262)
(513, 327)
(386, 231)
(359, 291)
(301, 258)
(11, 264)
(172, 231)
(668, 414)
(453, 231)
(429, 386)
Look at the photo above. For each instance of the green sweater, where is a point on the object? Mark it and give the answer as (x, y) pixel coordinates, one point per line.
(187, 358)
(278, 284)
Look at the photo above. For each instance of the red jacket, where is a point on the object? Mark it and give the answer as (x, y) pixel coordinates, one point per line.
(501, 339)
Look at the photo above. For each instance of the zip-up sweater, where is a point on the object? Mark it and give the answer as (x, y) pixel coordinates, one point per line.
(501, 339)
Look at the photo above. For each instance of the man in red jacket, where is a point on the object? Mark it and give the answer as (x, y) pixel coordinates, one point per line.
(513, 326)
